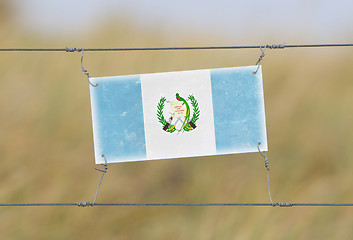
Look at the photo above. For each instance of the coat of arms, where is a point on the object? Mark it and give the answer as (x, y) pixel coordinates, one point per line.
(180, 118)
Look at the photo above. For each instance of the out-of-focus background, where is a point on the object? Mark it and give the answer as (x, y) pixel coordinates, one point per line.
(46, 141)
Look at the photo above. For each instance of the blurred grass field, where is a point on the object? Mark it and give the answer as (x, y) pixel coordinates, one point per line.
(46, 145)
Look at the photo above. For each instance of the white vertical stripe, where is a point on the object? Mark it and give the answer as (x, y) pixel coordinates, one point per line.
(161, 144)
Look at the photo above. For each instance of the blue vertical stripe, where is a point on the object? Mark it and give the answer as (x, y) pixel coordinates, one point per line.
(118, 119)
(238, 109)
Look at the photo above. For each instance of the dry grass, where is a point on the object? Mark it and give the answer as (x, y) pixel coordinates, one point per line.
(47, 148)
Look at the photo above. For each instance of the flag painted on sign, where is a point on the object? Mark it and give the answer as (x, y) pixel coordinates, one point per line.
(178, 114)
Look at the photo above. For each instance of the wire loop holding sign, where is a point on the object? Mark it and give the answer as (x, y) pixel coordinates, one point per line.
(263, 154)
(103, 172)
(273, 46)
(84, 70)
(258, 63)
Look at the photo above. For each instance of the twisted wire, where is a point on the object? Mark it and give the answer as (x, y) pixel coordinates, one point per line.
(103, 172)
(263, 154)
(82, 67)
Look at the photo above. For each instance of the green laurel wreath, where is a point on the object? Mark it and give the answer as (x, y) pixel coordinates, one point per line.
(196, 110)
(160, 107)
(166, 126)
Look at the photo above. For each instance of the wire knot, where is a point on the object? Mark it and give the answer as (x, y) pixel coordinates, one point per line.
(84, 204)
(267, 164)
(261, 57)
(105, 164)
(276, 46)
(68, 49)
(283, 204)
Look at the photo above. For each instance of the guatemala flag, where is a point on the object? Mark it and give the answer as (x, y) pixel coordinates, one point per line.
(178, 114)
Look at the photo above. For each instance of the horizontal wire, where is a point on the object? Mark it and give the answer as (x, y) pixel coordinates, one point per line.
(85, 204)
(272, 46)
(35, 204)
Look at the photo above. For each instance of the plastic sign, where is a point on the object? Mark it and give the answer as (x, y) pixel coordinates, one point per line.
(178, 114)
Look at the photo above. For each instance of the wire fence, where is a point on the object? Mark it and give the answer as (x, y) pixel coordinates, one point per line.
(262, 47)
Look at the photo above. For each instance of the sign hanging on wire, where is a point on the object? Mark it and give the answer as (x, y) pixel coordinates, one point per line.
(178, 114)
